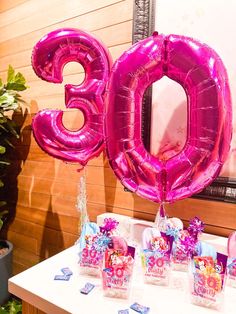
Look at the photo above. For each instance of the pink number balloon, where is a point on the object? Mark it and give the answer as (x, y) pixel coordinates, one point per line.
(201, 73)
(49, 57)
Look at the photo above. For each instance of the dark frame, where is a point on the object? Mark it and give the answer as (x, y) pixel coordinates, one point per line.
(223, 188)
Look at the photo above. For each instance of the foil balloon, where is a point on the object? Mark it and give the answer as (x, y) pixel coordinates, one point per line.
(49, 57)
(231, 245)
(200, 71)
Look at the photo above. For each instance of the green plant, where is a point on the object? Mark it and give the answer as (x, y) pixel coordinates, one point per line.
(12, 307)
(9, 102)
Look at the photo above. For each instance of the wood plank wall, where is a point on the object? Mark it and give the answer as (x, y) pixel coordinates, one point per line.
(42, 190)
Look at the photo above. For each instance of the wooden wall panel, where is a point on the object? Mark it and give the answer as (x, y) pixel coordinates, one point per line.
(42, 191)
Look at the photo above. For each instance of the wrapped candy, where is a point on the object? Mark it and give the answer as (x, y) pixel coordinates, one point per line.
(117, 272)
(207, 280)
(156, 257)
(93, 244)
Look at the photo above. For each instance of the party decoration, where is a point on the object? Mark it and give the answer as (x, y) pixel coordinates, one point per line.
(207, 279)
(200, 71)
(117, 272)
(205, 249)
(93, 243)
(156, 259)
(186, 242)
(89, 229)
(49, 57)
(81, 201)
(148, 234)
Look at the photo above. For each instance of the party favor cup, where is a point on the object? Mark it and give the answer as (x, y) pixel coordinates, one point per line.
(116, 281)
(207, 281)
(91, 262)
(156, 267)
(180, 259)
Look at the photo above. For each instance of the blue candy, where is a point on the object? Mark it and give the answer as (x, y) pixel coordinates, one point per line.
(140, 308)
(205, 249)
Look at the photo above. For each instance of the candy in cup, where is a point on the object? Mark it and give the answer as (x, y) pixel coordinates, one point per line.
(185, 242)
(207, 280)
(94, 242)
(117, 272)
(155, 257)
(91, 259)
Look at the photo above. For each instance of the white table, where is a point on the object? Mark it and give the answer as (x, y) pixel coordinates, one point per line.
(38, 287)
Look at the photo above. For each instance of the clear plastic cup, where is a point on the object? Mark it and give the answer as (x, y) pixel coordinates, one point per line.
(91, 262)
(156, 267)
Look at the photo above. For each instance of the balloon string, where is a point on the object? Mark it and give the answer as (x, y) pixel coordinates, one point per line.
(162, 211)
(161, 218)
(81, 203)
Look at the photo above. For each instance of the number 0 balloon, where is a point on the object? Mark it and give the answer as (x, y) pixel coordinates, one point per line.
(201, 73)
(49, 57)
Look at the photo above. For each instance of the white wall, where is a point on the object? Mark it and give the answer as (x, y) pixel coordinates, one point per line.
(212, 22)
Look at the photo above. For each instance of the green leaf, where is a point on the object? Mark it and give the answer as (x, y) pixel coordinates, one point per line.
(7, 99)
(12, 127)
(3, 119)
(2, 126)
(3, 203)
(3, 98)
(9, 143)
(1, 83)
(10, 74)
(6, 163)
(12, 307)
(19, 78)
(2, 149)
(1, 183)
(15, 86)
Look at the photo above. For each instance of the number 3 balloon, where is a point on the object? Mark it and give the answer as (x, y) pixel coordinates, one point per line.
(201, 73)
(49, 57)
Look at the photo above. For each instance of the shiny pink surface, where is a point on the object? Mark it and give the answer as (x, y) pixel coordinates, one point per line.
(202, 74)
(49, 57)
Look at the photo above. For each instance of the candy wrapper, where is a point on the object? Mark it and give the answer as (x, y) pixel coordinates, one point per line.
(93, 243)
(231, 271)
(117, 272)
(156, 260)
(207, 280)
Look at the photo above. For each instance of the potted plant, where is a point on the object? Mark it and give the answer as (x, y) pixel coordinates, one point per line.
(9, 103)
(5, 265)
(13, 306)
